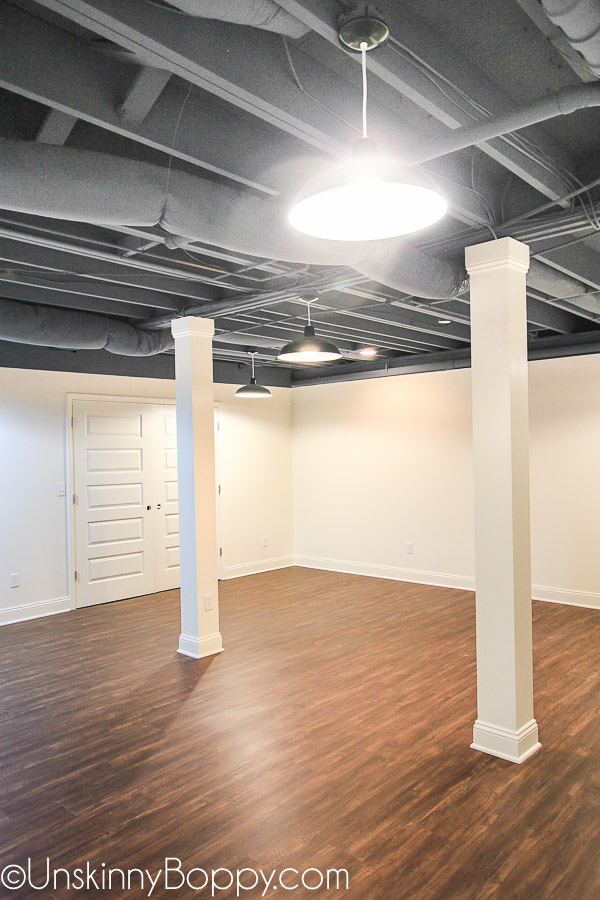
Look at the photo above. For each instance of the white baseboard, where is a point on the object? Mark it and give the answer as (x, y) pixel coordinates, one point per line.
(260, 565)
(198, 648)
(439, 579)
(34, 610)
(587, 599)
(515, 746)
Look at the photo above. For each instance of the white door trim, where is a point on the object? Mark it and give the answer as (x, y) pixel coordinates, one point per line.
(218, 471)
(70, 443)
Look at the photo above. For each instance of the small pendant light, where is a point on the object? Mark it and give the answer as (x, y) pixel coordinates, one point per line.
(309, 348)
(371, 197)
(253, 390)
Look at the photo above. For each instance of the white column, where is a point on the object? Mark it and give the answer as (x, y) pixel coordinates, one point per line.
(200, 634)
(505, 725)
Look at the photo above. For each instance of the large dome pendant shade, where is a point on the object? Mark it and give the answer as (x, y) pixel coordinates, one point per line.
(366, 201)
(309, 348)
(253, 390)
(368, 198)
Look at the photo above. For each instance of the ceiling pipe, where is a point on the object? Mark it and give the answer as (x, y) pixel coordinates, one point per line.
(346, 342)
(556, 284)
(263, 14)
(188, 274)
(25, 323)
(63, 182)
(84, 186)
(580, 21)
(528, 230)
(544, 348)
(563, 103)
(218, 308)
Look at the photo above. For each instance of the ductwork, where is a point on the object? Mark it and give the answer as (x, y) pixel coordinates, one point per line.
(82, 186)
(263, 14)
(580, 21)
(556, 284)
(403, 267)
(68, 330)
(563, 103)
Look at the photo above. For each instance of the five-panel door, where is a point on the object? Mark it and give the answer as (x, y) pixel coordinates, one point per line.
(126, 513)
(167, 499)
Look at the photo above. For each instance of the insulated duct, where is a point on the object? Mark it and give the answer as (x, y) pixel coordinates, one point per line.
(563, 103)
(68, 330)
(580, 21)
(555, 283)
(83, 186)
(263, 14)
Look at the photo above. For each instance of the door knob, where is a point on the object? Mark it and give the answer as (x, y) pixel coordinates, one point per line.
(148, 507)
(158, 505)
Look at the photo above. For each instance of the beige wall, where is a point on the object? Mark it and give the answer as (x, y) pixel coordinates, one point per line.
(255, 473)
(376, 464)
(565, 478)
(388, 461)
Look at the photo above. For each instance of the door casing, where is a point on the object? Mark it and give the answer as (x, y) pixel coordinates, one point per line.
(70, 440)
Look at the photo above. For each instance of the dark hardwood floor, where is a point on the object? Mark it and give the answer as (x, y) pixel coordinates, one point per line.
(333, 732)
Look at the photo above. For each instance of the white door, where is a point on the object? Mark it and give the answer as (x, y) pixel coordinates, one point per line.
(167, 507)
(220, 561)
(126, 515)
(114, 499)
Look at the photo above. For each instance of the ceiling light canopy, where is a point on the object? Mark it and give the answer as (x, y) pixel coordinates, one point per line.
(309, 348)
(253, 390)
(370, 197)
(356, 30)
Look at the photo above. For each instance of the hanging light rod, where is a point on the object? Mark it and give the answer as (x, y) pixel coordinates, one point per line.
(370, 197)
(309, 348)
(253, 390)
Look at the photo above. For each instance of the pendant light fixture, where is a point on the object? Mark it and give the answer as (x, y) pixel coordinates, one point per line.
(309, 348)
(253, 390)
(370, 197)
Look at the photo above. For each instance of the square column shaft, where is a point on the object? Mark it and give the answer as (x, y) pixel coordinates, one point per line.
(505, 725)
(200, 634)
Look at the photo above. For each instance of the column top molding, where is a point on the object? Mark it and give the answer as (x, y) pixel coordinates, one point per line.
(192, 326)
(505, 252)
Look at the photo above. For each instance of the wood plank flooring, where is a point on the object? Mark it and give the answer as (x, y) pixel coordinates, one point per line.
(332, 733)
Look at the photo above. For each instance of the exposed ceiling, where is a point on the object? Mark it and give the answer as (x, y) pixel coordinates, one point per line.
(244, 106)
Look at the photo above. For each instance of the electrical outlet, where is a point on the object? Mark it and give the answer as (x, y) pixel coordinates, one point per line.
(61, 489)
(409, 547)
(208, 602)
(265, 542)
(13, 579)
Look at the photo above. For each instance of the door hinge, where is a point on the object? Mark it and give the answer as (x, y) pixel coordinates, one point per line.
(220, 551)
(75, 574)
(74, 499)
(219, 490)
(72, 421)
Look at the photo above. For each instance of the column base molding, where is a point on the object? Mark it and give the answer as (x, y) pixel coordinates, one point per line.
(198, 648)
(515, 746)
